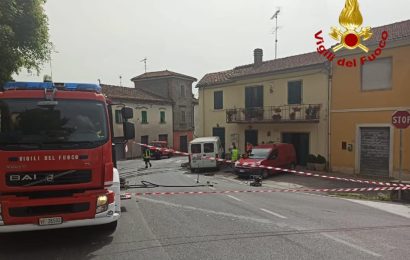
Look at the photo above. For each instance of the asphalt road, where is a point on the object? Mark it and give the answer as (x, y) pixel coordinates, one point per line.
(222, 226)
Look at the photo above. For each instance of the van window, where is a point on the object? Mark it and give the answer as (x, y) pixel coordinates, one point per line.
(195, 148)
(208, 148)
(274, 154)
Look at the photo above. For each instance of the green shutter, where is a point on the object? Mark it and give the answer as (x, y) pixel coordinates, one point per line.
(144, 119)
(218, 100)
(162, 117)
(118, 117)
(295, 92)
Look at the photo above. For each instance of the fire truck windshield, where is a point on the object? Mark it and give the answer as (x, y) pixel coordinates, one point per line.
(34, 124)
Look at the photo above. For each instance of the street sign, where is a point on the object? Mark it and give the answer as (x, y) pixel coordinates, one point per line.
(401, 119)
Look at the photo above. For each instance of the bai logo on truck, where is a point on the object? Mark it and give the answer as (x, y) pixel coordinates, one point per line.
(351, 36)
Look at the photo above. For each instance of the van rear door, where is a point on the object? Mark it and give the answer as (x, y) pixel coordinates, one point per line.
(210, 150)
(196, 154)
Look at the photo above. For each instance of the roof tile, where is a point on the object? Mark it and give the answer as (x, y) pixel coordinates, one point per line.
(117, 92)
(160, 74)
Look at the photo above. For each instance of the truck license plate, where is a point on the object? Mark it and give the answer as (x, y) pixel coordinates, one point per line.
(50, 221)
(241, 170)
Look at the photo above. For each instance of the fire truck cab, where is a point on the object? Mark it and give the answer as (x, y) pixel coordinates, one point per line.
(57, 162)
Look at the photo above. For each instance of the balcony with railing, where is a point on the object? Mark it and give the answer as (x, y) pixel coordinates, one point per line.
(306, 113)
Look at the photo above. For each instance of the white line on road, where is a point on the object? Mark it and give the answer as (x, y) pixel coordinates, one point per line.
(235, 198)
(351, 245)
(273, 213)
(253, 219)
(212, 188)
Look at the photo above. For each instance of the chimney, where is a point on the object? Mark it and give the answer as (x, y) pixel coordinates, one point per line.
(257, 55)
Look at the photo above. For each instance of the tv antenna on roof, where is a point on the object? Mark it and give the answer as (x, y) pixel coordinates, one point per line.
(275, 16)
(145, 63)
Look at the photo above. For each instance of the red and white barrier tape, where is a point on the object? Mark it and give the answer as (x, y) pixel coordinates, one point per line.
(301, 173)
(271, 191)
(163, 149)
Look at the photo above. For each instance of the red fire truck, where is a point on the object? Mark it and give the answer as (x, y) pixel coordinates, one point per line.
(57, 162)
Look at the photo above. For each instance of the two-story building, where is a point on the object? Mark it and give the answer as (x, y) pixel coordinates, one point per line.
(176, 88)
(363, 140)
(282, 100)
(152, 118)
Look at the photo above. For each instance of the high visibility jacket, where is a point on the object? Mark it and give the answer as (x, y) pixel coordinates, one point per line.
(235, 154)
(147, 153)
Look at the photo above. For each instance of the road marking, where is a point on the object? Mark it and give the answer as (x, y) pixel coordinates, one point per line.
(351, 245)
(235, 198)
(212, 188)
(273, 213)
(393, 208)
(246, 218)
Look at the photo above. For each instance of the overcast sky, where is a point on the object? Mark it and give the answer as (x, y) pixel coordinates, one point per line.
(103, 39)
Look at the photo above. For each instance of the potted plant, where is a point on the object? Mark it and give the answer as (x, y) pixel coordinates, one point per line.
(311, 160)
(312, 112)
(277, 110)
(296, 109)
(320, 164)
(292, 116)
(230, 113)
(276, 117)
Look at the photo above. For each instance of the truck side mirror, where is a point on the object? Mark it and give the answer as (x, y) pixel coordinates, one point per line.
(127, 113)
(129, 131)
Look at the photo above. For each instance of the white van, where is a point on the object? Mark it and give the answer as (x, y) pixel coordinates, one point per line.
(203, 147)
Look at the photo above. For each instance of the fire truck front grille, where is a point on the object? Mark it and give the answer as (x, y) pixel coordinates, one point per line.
(30, 179)
(48, 210)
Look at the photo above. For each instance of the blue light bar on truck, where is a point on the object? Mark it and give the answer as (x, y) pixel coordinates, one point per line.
(82, 87)
(28, 85)
(50, 85)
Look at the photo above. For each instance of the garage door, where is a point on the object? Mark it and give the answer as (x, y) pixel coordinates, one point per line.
(374, 151)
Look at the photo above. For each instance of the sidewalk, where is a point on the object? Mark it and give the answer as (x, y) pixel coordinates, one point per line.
(289, 180)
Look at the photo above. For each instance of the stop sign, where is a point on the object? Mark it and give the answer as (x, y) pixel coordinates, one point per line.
(401, 119)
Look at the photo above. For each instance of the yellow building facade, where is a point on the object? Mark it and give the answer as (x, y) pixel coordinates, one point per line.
(363, 100)
(272, 101)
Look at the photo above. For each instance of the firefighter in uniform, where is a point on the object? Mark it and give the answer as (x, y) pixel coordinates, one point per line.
(235, 153)
(147, 157)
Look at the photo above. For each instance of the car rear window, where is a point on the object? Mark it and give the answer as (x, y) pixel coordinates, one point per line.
(195, 148)
(208, 148)
(259, 153)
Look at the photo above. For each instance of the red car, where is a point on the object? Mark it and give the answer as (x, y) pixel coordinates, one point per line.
(275, 155)
(163, 150)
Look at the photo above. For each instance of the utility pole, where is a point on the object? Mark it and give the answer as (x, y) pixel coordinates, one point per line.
(145, 63)
(275, 16)
(120, 81)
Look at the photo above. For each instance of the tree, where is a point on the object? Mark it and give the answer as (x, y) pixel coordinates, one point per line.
(24, 38)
